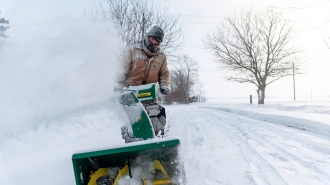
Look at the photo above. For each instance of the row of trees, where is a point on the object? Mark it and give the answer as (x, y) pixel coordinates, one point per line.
(183, 78)
(133, 19)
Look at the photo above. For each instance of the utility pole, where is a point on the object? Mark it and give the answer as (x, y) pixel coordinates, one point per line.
(294, 84)
(311, 95)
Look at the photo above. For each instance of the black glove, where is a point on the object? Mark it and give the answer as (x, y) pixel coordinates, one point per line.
(165, 90)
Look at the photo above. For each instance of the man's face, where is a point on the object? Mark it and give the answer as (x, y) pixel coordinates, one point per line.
(153, 41)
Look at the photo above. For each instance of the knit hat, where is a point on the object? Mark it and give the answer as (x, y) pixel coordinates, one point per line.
(157, 33)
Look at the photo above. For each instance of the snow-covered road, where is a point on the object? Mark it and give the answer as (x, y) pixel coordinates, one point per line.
(227, 148)
(221, 144)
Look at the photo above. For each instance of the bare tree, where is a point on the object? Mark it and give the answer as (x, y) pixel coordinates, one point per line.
(3, 27)
(133, 18)
(183, 78)
(255, 48)
(299, 5)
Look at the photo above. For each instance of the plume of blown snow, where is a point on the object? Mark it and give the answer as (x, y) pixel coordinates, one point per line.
(58, 67)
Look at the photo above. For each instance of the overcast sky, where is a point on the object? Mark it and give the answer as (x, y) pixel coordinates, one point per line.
(198, 18)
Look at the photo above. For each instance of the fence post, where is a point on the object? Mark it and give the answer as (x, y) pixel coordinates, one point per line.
(250, 99)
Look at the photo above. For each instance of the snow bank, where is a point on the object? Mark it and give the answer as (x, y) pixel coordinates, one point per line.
(273, 117)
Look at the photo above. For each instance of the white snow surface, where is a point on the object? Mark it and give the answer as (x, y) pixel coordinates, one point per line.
(221, 143)
(56, 87)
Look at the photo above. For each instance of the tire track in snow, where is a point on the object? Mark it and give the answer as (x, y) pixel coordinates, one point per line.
(268, 153)
(301, 140)
(185, 127)
(300, 163)
(206, 155)
(260, 170)
(306, 163)
(308, 167)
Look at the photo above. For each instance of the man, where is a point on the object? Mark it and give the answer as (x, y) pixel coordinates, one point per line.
(145, 63)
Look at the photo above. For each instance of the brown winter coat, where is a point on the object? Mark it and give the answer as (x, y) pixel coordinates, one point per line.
(138, 67)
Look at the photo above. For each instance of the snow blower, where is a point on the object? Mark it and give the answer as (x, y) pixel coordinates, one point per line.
(145, 159)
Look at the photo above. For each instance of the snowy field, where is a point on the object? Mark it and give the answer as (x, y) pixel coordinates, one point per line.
(222, 143)
(55, 90)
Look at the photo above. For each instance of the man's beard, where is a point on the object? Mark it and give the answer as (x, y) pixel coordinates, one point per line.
(152, 48)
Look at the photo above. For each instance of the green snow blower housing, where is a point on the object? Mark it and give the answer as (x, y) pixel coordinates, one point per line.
(146, 160)
(146, 93)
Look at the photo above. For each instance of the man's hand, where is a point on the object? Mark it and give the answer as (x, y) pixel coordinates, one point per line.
(165, 90)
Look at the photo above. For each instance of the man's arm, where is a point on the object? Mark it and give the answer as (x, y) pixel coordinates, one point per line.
(164, 75)
(164, 79)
